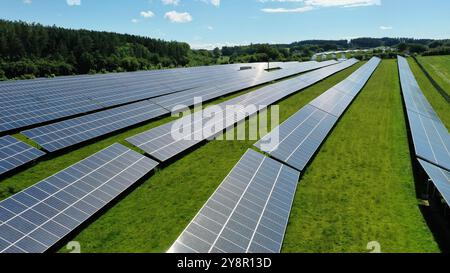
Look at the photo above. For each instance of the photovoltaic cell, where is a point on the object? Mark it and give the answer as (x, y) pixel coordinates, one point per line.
(35, 219)
(248, 213)
(440, 178)
(66, 133)
(15, 153)
(170, 139)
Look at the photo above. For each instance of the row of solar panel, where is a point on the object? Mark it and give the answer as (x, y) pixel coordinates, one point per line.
(166, 141)
(67, 133)
(249, 211)
(429, 135)
(296, 140)
(186, 98)
(36, 84)
(15, 153)
(16, 115)
(35, 219)
(46, 103)
(70, 132)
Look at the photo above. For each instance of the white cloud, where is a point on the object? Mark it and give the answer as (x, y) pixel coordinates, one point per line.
(178, 17)
(134, 20)
(73, 2)
(284, 10)
(342, 3)
(313, 4)
(210, 28)
(212, 2)
(215, 2)
(386, 27)
(281, 1)
(171, 2)
(147, 14)
(27, 1)
(211, 46)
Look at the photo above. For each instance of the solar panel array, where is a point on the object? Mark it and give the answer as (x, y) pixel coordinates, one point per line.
(296, 140)
(248, 213)
(186, 98)
(440, 178)
(430, 136)
(15, 153)
(166, 141)
(35, 219)
(66, 133)
(31, 102)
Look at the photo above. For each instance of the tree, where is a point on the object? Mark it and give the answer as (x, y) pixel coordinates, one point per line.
(86, 63)
(217, 53)
(402, 47)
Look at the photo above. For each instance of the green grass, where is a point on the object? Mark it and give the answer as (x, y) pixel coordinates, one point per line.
(439, 69)
(151, 217)
(439, 104)
(360, 187)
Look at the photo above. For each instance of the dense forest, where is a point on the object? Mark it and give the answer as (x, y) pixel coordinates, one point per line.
(35, 50)
(32, 50)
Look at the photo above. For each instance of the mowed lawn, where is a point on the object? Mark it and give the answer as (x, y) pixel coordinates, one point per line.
(437, 101)
(439, 69)
(360, 187)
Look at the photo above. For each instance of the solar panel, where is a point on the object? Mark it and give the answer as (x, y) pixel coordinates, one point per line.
(248, 213)
(26, 103)
(440, 178)
(430, 136)
(413, 96)
(161, 143)
(332, 102)
(299, 137)
(66, 133)
(431, 139)
(43, 111)
(38, 217)
(336, 100)
(15, 153)
(228, 86)
(297, 140)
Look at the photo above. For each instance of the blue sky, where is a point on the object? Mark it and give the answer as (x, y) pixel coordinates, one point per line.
(209, 23)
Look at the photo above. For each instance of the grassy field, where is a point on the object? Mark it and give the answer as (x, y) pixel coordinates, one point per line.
(352, 208)
(439, 69)
(360, 187)
(440, 105)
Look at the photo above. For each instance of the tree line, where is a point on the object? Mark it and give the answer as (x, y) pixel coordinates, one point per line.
(36, 50)
(33, 50)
